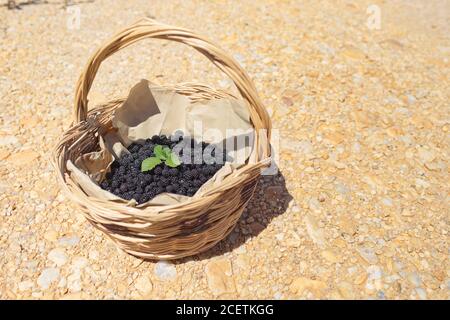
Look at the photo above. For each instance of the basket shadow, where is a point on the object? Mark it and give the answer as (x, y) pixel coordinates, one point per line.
(271, 199)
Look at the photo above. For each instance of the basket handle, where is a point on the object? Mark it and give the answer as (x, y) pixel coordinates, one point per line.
(149, 28)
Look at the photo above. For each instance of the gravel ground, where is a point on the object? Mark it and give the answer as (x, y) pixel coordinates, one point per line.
(360, 208)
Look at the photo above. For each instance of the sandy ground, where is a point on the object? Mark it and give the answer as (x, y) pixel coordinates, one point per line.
(360, 208)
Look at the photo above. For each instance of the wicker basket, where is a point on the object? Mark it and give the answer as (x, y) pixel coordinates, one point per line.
(171, 231)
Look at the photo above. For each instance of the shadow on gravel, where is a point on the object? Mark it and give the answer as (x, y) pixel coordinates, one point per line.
(271, 199)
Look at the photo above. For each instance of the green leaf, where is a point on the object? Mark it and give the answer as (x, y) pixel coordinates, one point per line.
(149, 163)
(173, 160)
(159, 152)
(167, 152)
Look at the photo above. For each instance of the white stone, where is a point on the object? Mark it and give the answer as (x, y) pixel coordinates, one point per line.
(8, 140)
(421, 293)
(374, 278)
(62, 283)
(368, 254)
(356, 148)
(73, 282)
(279, 236)
(422, 183)
(79, 263)
(306, 147)
(425, 155)
(278, 296)
(48, 276)
(387, 202)
(374, 272)
(411, 99)
(342, 188)
(93, 254)
(143, 285)
(414, 278)
(314, 204)
(69, 241)
(25, 285)
(58, 257)
(314, 231)
(165, 270)
(240, 58)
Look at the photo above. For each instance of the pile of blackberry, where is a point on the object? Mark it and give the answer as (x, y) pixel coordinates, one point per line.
(126, 180)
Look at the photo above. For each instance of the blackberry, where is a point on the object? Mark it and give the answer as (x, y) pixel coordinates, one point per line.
(104, 185)
(115, 165)
(126, 180)
(188, 175)
(134, 147)
(148, 153)
(114, 184)
(191, 191)
(135, 170)
(173, 180)
(125, 160)
(187, 184)
(197, 183)
(123, 188)
(194, 173)
(121, 170)
(137, 194)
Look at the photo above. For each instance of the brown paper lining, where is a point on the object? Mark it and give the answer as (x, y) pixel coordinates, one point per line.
(151, 110)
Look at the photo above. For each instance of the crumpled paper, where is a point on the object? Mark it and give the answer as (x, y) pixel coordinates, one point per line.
(150, 110)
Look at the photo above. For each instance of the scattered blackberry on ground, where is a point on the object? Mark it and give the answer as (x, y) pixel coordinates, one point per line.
(126, 180)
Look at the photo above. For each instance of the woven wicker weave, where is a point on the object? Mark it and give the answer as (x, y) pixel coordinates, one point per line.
(175, 231)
